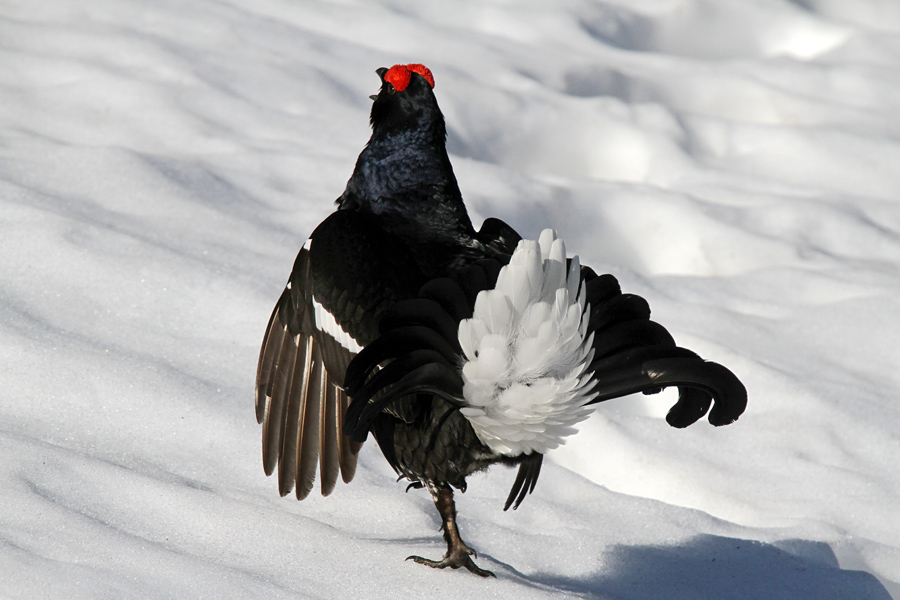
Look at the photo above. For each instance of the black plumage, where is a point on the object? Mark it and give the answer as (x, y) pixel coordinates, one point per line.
(364, 338)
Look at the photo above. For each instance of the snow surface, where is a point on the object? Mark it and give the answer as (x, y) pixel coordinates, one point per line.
(734, 161)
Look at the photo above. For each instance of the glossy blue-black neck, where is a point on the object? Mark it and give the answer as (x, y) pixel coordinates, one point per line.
(404, 173)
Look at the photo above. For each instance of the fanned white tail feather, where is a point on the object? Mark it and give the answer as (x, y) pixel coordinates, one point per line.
(526, 349)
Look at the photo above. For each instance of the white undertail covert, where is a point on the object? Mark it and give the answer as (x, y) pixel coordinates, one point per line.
(526, 350)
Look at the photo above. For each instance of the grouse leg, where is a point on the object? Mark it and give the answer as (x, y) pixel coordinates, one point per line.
(458, 553)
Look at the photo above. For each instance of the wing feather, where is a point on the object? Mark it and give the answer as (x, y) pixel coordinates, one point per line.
(268, 356)
(348, 448)
(329, 436)
(308, 448)
(287, 465)
(348, 272)
(296, 396)
(273, 425)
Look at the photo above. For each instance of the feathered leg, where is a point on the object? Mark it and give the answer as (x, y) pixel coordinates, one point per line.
(458, 553)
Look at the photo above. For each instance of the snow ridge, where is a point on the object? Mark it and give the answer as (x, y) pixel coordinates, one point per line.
(532, 329)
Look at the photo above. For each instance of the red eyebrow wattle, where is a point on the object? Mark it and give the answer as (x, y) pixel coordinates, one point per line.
(400, 75)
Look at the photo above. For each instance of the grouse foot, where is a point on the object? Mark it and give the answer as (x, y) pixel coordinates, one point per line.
(458, 553)
(461, 556)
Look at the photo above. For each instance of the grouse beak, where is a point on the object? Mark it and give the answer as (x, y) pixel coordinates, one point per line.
(381, 73)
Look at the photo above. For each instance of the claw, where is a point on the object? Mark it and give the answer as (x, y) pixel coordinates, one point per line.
(454, 561)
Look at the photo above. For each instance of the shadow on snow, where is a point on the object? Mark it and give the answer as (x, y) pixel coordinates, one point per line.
(717, 568)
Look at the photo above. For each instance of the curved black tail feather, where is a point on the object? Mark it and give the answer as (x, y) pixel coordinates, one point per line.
(700, 384)
(634, 354)
(728, 393)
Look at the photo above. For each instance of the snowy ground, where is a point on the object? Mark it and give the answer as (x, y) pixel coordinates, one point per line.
(734, 161)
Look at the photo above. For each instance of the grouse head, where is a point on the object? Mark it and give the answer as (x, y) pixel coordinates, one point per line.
(404, 174)
(406, 101)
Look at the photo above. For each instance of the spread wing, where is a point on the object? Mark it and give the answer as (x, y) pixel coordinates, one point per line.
(299, 400)
(344, 276)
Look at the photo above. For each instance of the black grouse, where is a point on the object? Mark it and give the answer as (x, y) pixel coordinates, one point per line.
(456, 348)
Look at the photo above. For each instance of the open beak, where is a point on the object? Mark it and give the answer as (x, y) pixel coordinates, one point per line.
(381, 72)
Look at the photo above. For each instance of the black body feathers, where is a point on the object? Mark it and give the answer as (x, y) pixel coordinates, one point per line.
(366, 335)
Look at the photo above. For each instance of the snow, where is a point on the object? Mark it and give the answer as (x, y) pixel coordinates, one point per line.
(733, 161)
